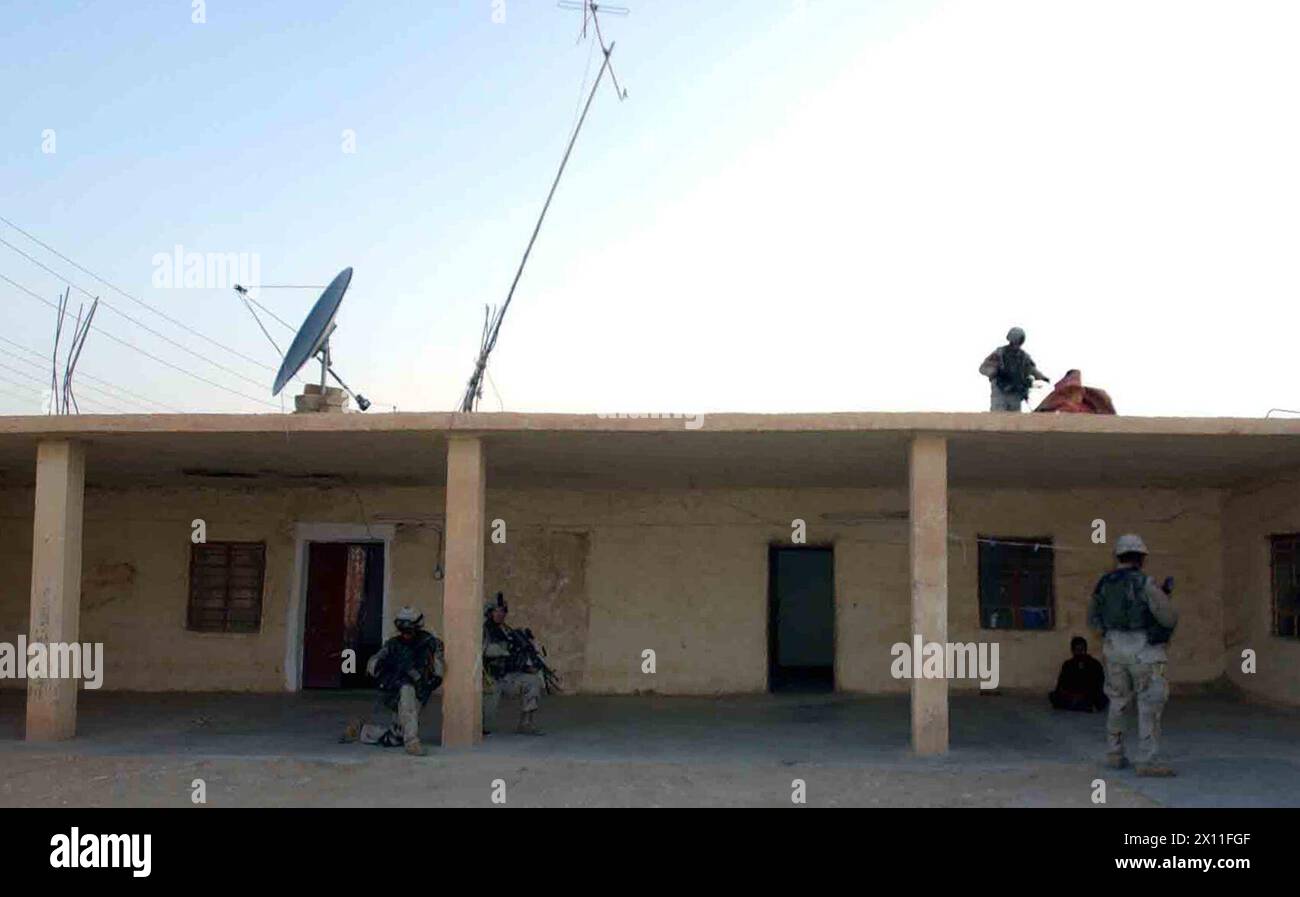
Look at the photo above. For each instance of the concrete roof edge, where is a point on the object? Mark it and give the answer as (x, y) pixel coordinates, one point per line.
(487, 423)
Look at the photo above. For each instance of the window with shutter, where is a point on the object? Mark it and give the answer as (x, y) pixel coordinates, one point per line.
(226, 586)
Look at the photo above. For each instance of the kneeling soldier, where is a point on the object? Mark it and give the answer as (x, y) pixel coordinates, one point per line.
(408, 668)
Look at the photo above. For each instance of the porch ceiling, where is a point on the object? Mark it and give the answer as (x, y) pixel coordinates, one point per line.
(584, 451)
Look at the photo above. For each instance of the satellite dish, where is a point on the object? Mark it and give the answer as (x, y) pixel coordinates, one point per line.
(313, 339)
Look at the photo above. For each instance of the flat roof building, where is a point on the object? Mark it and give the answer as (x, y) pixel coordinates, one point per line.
(725, 553)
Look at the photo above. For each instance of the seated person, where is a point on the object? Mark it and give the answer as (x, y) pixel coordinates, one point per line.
(1079, 687)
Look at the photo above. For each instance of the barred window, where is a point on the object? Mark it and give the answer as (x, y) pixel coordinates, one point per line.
(226, 586)
(1016, 575)
(1286, 585)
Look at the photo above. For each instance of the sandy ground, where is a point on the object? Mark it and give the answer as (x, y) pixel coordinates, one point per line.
(389, 778)
(260, 750)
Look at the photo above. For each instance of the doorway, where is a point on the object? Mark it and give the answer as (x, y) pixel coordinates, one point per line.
(345, 607)
(801, 618)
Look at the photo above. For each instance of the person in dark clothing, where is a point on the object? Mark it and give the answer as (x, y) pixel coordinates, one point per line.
(1082, 680)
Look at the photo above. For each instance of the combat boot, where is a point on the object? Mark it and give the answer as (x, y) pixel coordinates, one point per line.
(414, 748)
(527, 726)
(1116, 761)
(351, 732)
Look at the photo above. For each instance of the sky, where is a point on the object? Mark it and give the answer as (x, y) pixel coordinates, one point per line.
(801, 205)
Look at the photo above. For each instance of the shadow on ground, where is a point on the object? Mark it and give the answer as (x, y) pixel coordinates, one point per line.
(281, 750)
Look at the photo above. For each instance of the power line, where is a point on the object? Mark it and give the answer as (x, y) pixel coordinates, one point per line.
(19, 385)
(105, 386)
(14, 395)
(44, 386)
(143, 352)
(39, 380)
(94, 389)
(135, 321)
(141, 302)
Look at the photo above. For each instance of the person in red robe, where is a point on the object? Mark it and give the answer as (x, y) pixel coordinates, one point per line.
(1070, 396)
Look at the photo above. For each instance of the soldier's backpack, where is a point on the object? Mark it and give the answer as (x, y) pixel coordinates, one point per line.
(1123, 602)
(1013, 371)
(1124, 605)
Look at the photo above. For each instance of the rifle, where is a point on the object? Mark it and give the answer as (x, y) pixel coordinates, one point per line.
(1157, 634)
(522, 644)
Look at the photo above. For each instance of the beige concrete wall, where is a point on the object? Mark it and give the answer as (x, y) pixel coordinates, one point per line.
(1250, 516)
(603, 576)
(136, 570)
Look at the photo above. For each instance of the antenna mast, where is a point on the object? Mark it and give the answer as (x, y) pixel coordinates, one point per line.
(494, 317)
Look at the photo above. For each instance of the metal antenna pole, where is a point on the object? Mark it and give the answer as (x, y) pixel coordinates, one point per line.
(474, 389)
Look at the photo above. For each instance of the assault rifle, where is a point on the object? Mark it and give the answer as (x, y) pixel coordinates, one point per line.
(524, 647)
(1157, 634)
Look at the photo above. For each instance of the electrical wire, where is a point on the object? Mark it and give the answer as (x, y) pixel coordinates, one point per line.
(127, 396)
(138, 322)
(122, 292)
(143, 352)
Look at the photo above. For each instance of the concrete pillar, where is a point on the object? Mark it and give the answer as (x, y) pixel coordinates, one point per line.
(56, 581)
(462, 595)
(929, 560)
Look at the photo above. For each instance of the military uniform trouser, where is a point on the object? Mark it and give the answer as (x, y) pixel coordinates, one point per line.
(1145, 681)
(1004, 401)
(527, 686)
(406, 721)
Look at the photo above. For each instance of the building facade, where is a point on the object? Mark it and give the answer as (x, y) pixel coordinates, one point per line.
(740, 554)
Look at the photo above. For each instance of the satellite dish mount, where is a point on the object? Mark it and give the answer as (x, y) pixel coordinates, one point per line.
(313, 341)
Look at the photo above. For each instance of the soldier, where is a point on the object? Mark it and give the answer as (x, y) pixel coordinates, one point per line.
(1011, 373)
(507, 669)
(408, 668)
(1136, 619)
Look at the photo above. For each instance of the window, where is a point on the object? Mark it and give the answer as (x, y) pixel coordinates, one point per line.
(226, 586)
(1016, 583)
(1286, 585)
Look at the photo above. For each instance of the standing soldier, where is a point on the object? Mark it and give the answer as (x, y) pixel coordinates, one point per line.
(408, 668)
(1136, 619)
(1011, 373)
(508, 668)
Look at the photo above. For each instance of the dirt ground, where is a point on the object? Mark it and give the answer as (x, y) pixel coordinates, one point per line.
(282, 750)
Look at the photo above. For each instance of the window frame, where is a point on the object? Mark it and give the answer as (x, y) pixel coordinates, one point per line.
(986, 543)
(192, 624)
(1274, 592)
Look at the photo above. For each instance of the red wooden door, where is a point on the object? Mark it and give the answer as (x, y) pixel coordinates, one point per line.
(323, 642)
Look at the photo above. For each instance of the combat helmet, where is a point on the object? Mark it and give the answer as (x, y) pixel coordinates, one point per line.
(499, 603)
(408, 619)
(1130, 543)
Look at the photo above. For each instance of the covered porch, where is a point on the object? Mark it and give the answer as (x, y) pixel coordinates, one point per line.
(849, 750)
(901, 496)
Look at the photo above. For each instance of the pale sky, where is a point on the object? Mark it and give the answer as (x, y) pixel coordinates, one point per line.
(801, 206)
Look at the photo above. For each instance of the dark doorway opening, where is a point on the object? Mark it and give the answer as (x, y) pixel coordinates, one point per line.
(801, 619)
(345, 607)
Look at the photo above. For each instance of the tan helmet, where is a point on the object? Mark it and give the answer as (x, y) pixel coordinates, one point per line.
(408, 618)
(1130, 543)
